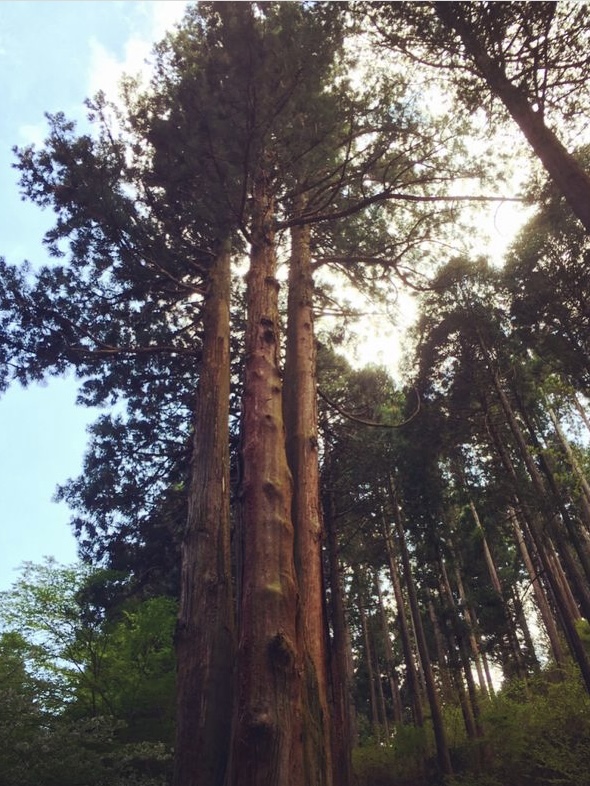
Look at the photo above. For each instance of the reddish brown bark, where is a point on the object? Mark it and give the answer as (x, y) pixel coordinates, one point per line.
(471, 627)
(205, 637)
(301, 419)
(579, 473)
(461, 648)
(267, 730)
(517, 660)
(540, 597)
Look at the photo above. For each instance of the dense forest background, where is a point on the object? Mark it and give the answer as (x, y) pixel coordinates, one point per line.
(295, 568)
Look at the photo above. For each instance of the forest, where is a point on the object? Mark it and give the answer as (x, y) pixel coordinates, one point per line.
(296, 568)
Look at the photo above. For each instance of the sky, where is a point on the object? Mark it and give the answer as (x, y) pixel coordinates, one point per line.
(53, 55)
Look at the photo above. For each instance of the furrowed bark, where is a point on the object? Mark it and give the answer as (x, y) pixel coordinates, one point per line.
(205, 636)
(301, 423)
(267, 730)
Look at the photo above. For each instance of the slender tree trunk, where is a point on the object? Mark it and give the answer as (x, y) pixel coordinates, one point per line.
(570, 178)
(301, 422)
(447, 692)
(565, 531)
(343, 735)
(486, 667)
(540, 597)
(563, 582)
(411, 673)
(462, 648)
(567, 449)
(516, 655)
(523, 624)
(471, 627)
(395, 697)
(455, 668)
(581, 412)
(470, 618)
(442, 749)
(370, 671)
(380, 693)
(268, 724)
(540, 538)
(205, 635)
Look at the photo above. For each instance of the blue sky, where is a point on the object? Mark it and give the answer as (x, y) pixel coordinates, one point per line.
(52, 56)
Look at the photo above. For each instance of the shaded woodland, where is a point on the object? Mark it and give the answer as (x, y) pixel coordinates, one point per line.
(296, 569)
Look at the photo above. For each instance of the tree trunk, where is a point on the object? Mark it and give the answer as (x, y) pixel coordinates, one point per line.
(471, 628)
(393, 684)
(581, 412)
(568, 175)
(469, 616)
(461, 647)
(455, 668)
(442, 749)
(520, 618)
(565, 530)
(584, 485)
(343, 735)
(411, 675)
(382, 708)
(268, 725)
(540, 538)
(447, 692)
(540, 597)
(486, 667)
(205, 635)
(370, 671)
(301, 419)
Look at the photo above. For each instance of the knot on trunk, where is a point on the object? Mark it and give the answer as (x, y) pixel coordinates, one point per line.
(281, 651)
(260, 727)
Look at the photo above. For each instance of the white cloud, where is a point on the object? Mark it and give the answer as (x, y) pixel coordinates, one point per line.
(155, 19)
(33, 134)
(106, 70)
(165, 14)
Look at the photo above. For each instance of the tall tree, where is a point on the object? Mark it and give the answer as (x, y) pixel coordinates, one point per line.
(532, 57)
(523, 79)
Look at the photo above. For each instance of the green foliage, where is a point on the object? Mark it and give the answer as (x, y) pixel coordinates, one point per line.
(403, 760)
(86, 752)
(136, 679)
(85, 699)
(373, 765)
(546, 737)
(536, 733)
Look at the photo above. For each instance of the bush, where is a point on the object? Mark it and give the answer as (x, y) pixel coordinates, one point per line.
(401, 761)
(541, 735)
